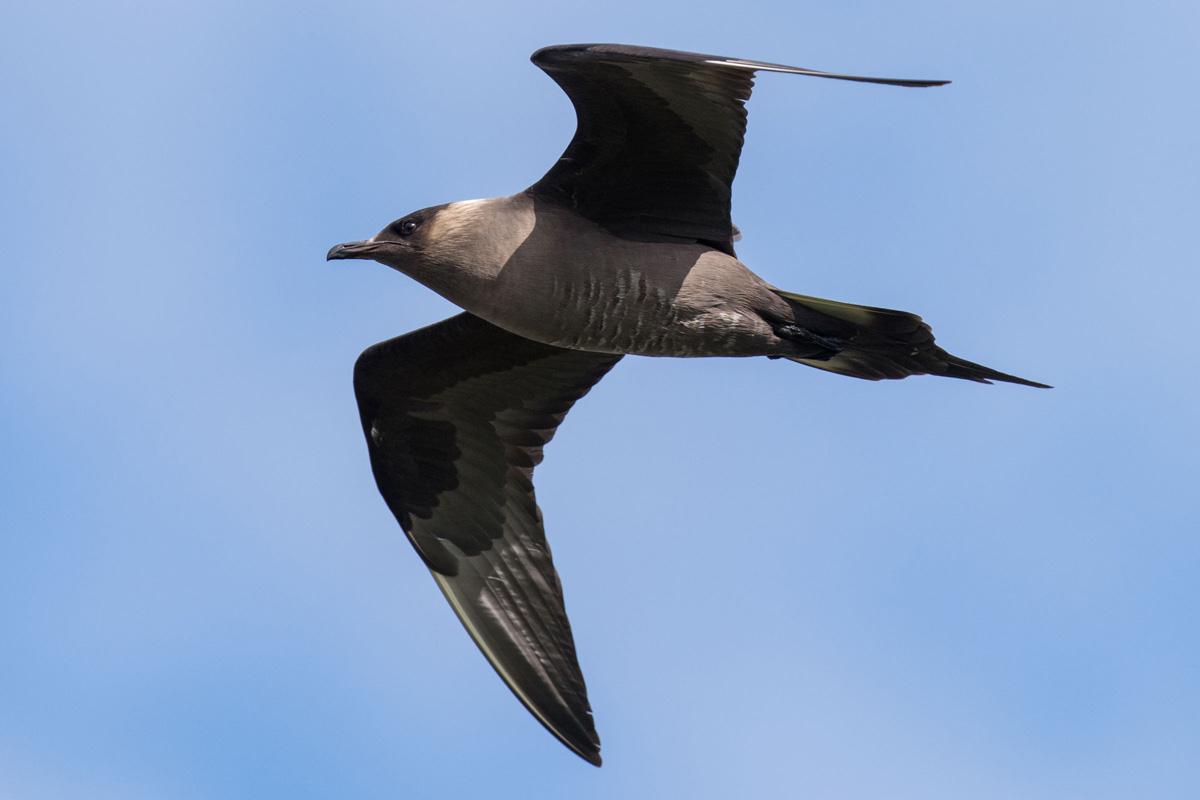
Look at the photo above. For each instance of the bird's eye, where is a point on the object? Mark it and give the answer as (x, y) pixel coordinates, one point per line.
(407, 226)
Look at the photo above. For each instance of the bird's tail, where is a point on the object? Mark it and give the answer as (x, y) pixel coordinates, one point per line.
(873, 343)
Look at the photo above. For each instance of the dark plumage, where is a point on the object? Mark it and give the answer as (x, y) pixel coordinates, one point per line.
(624, 246)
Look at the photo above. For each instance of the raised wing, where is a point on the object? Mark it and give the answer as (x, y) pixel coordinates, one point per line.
(658, 139)
(456, 415)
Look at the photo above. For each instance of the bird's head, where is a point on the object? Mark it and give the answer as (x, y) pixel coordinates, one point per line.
(399, 245)
(456, 249)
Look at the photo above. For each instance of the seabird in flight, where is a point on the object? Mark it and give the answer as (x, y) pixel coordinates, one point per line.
(624, 247)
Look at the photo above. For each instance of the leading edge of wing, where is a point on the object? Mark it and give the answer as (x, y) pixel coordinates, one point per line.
(565, 53)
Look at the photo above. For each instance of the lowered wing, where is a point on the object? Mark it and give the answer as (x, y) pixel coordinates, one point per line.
(456, 415)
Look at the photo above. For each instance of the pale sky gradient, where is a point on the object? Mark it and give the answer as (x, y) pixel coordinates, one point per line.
(783, 583)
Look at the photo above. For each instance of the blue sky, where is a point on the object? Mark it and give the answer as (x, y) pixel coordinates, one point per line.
(782, 582)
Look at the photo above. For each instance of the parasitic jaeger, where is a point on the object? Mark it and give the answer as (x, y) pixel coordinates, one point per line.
(624, 247)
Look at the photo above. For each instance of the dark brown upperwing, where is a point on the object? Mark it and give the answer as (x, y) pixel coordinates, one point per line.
(658, 139)
(456, 415)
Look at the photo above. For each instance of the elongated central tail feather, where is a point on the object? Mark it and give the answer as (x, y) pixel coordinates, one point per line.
(874, 343)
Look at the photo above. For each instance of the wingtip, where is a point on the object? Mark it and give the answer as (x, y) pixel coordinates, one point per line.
(586, 746)
(576, 731)
(591, 757)
(910, 83)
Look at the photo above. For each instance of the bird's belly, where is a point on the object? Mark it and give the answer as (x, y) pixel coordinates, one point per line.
(678, 308)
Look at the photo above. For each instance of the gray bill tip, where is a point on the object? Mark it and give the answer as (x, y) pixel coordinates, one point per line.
(349, 250)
